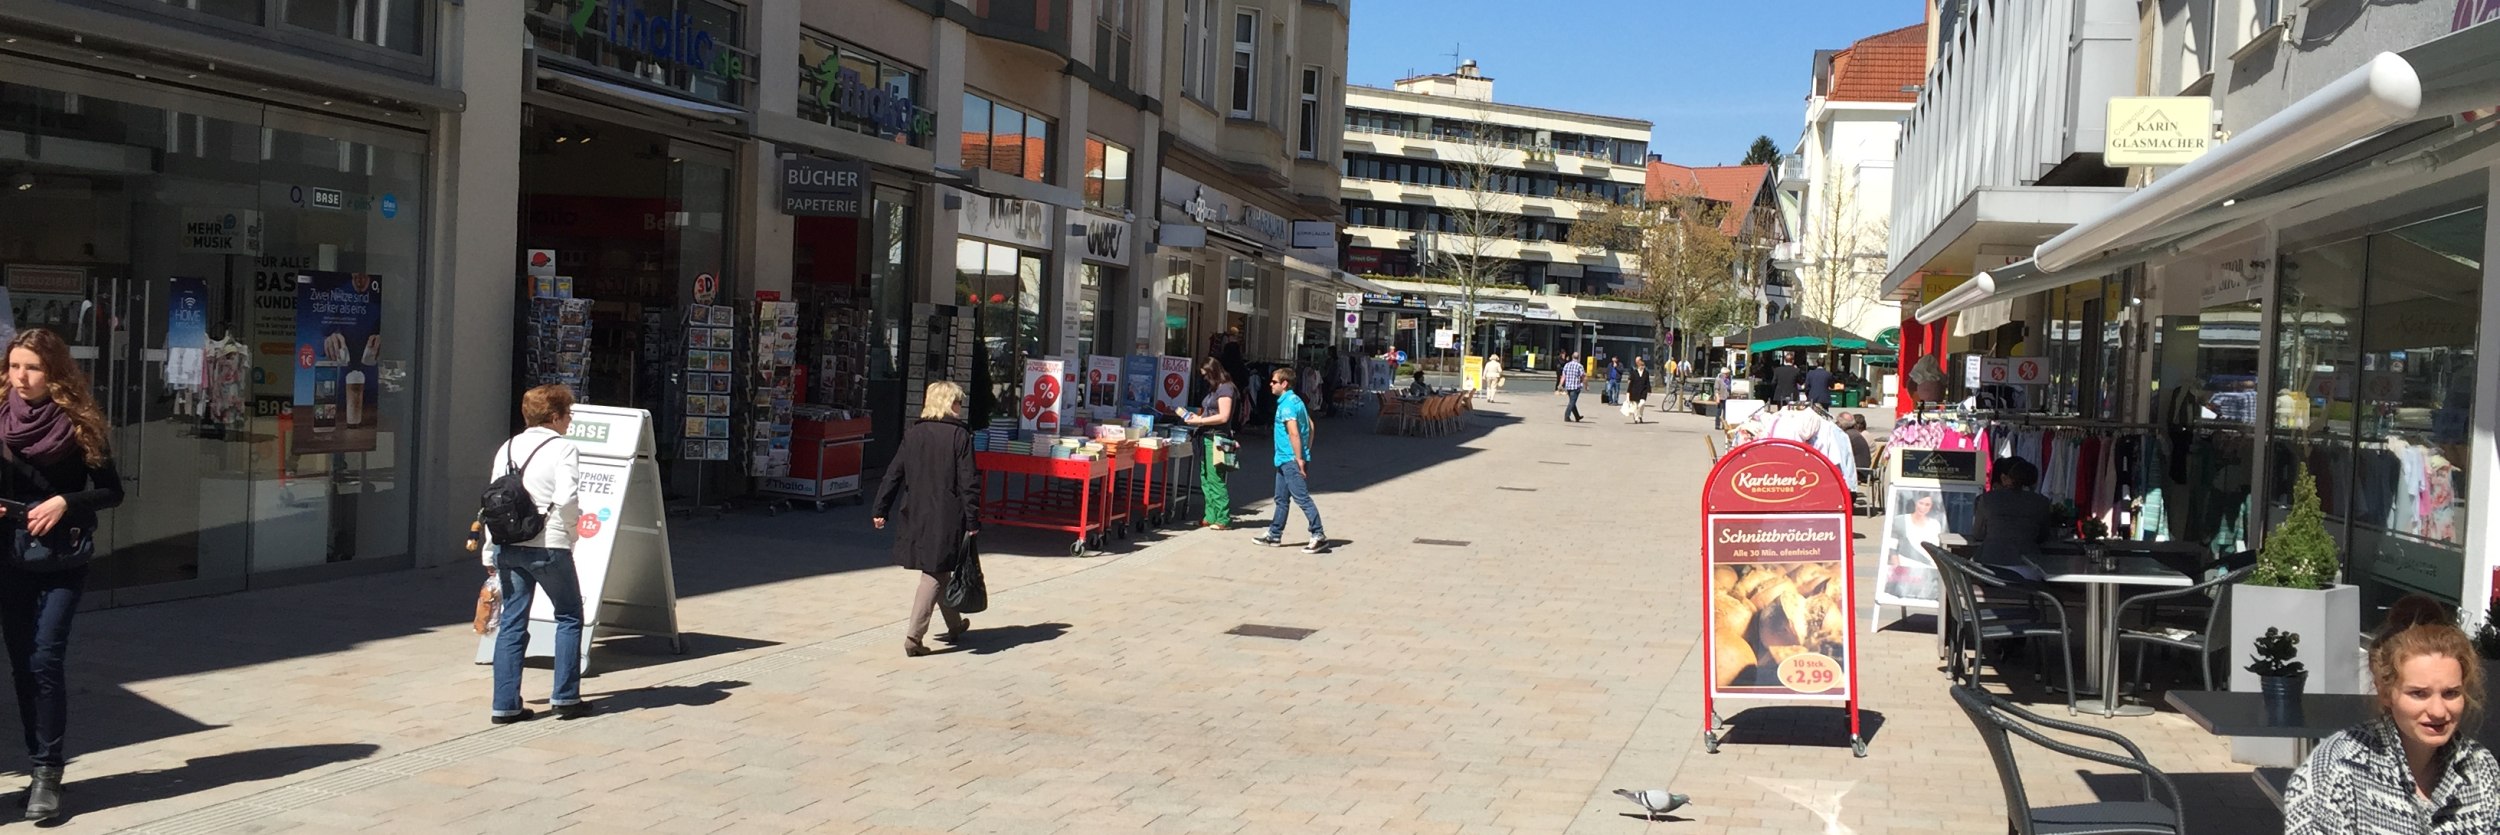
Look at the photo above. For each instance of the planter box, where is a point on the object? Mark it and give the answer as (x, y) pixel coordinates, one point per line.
(2329, 624)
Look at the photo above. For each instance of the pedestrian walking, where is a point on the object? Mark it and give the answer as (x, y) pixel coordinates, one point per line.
(550, 468)
(1614, 381)
(1492, 377)
(1636, 393)
(1572, 380)
(1818, 383)
(932, 491)
(1218, 450)
(59, 475)
(1293, 458)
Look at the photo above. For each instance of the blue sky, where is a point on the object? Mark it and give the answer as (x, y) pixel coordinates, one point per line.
(1712, 75)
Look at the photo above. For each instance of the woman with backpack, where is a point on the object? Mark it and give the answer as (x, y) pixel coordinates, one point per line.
(533, 550)
(58, 474)
(933, 492)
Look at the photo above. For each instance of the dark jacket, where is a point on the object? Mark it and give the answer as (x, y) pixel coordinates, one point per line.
(938, 491)
(87, 490)
(1819, 386)
(1783, 385)
(1636, 385)
(2009, 524)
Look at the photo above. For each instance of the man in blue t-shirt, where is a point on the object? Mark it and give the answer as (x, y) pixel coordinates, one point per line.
(1293, 457)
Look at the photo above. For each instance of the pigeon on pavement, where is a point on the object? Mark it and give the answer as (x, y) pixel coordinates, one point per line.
(1656, 801)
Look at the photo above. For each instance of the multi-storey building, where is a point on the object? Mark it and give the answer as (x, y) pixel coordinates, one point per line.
(944, 189)
(1411, 153)
(1836, 185)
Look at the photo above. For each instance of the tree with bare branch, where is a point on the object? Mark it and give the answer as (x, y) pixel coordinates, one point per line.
(1687, 262)
(1844, 263)
(1486, 215)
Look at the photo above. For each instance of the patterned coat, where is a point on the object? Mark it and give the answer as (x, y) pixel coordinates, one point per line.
(2356, 783)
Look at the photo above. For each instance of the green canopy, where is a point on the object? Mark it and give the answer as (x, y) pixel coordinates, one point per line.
(1803, 332)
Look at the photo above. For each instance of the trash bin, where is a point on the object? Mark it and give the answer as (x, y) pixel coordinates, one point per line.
(1848, 398)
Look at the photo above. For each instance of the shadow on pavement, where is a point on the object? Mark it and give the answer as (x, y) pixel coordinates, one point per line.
(634, 652)
(2216, 801)
(199, 774)
(667, 695)
(1000, 639)
(1805, 725)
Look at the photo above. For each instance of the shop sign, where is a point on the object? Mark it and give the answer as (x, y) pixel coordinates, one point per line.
(1934, 285)
(817, 187)
(1314, 234)
(1542, 313)
(220, 231)
(1190, 201)
(328, 198)
(2029, 371)
(1779, 569)
(1006, 220)
(2234, 280)
(1501, 308)
(1940, 465)
(1559, 269)
(2473, 12)
(2158, 130)
(1974, 368)
(842, 90)
(671, 40)
(27, 278)
(1106, 238)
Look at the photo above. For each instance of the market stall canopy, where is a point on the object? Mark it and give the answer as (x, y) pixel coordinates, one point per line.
(1804, 332)
(2387, 124)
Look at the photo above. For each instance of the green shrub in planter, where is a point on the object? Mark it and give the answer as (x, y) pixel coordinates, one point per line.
(2298, 554)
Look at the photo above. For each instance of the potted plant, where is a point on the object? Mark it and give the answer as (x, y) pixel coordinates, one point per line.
(2279, 675)
(2293, 590)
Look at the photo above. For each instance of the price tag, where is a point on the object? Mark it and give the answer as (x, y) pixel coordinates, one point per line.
(1811, 672)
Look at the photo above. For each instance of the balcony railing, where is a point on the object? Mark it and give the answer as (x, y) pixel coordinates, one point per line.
(1530, 149)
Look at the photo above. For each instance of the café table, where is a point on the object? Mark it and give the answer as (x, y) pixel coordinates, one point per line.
(2102, 579)
(2244, 714)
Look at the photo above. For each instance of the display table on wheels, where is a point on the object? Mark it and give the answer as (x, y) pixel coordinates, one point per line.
(1155, 503)
(1085, 511)
(824, 462)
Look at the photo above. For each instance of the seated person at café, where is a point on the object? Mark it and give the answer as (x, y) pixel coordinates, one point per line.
(2413, 767)
(2009, 522)
(1418, 388)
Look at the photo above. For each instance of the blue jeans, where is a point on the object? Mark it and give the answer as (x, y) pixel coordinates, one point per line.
(1291, 485)
(1614, 391)
(520, 570)
(35, 612)
(1572, 410)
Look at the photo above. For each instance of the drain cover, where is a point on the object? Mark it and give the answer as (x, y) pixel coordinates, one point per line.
(1454, 543)
(1289, 633)
(1517, 489)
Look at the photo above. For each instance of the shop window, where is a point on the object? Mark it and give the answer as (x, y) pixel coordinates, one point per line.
(859, 91)
(1090, 281)
(1106, 174)
(383, 23)
(1007, 140)
(1004, 287)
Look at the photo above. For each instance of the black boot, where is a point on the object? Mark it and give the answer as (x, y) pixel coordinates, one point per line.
(43, 795)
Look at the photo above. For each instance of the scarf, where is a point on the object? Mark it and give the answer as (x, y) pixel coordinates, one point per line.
(37, 432)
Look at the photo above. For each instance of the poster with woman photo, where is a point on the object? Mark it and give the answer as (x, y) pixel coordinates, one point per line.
(1917, 515)
(338, 341)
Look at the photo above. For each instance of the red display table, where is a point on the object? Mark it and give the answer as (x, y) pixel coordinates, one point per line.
(1030, 495)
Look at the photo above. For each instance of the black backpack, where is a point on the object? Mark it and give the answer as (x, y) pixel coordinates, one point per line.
(506, 507)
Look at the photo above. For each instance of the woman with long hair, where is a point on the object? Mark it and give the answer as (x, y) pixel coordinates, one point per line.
(1214, 421)
(933, 491)
(2413, 767)
(56, 476)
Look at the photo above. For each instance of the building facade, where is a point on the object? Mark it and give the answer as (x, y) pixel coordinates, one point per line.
(1413, 153)
(486, 196)
(1836, 184)
(2309, 294)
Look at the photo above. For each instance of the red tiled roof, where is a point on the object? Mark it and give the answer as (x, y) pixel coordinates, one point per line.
(1877, 67)
(1666, 178)
(1734, 185)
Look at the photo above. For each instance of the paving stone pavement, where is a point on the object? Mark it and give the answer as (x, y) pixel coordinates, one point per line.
(1501, 686)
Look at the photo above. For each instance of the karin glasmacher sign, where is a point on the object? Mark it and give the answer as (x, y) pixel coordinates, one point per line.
(812, 187)
(2158, 130)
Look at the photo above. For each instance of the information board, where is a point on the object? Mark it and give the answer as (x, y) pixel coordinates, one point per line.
(1777, 568)
(1930, 493)
(620, 546)
(1471, 376)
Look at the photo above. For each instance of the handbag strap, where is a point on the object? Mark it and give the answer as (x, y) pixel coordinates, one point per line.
(20, 466)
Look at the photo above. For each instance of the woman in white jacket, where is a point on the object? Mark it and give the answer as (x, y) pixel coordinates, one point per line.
(551, 469)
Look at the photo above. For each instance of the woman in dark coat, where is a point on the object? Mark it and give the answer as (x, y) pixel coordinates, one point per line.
(1636, 390)
(939, 492)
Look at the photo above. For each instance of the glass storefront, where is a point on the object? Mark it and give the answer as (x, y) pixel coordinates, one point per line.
(2374, 393)
(1003, 285)
(130, 201)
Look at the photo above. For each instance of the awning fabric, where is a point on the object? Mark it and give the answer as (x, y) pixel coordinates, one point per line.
(1803, 332)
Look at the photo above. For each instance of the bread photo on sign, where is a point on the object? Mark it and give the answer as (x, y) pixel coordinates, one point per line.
(1763, 615)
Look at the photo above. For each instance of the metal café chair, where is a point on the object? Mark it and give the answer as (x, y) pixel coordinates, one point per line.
(1999, 720)
(2204, 643)
(1963, 581)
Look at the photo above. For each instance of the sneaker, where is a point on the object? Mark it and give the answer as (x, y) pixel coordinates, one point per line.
(1317, 545)
(522, 716)
(575, 710)
(1269, 539)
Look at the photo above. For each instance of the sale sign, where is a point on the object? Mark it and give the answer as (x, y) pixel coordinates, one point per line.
(1778, 567)
(1040, 410)
(1171, 385)
(2030, 371)
(1102, 388)
(2000, 371)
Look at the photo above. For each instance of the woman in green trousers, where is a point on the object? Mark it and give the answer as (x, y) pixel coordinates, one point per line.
(1214, 421)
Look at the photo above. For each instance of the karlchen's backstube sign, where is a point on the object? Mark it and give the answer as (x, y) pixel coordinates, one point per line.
(2158, 130)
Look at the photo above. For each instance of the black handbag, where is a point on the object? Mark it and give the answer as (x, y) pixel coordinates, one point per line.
(60, 549)
(966, 592)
